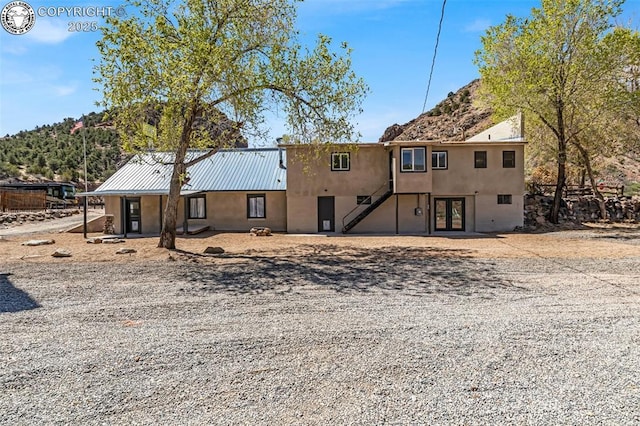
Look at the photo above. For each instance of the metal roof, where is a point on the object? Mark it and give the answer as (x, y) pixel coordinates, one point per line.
(251, 169)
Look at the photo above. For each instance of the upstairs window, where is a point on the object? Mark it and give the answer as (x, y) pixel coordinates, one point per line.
(480, 159)
(197, 208)
(256, 206)
(340, 161)
(413, 160)
(439, 160)
(508, 159)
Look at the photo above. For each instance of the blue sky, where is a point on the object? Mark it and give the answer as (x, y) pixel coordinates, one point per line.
(45, 75)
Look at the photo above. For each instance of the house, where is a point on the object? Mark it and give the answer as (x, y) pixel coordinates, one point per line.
(234, 190)
(476, 185)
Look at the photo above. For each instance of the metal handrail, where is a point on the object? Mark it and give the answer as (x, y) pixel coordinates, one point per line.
(384, 185)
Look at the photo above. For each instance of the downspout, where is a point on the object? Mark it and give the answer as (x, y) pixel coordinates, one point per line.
(123, 216)
(397, 223)
(428, 215)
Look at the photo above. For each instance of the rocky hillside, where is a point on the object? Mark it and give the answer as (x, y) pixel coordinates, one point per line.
(455, 118)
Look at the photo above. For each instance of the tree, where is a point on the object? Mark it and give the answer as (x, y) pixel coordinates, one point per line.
(562, 66)
(173, 67)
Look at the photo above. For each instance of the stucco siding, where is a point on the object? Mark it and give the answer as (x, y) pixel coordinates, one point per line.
(494, 217)
(412, 182)
(112, 206)
(309, 173)
(302, 214)
(227, 211)
(461, 177)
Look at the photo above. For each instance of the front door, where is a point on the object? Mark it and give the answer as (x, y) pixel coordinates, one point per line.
(132, 221)
(449, 214)
(326, 214)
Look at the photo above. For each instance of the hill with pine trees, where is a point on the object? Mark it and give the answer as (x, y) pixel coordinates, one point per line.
(51, 152)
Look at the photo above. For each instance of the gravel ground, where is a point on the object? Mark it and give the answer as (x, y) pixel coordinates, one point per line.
(395, 335)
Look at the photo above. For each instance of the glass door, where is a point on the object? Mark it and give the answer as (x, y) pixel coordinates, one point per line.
(449, 214)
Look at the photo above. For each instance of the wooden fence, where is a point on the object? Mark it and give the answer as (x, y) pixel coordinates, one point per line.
(15, 200)
(576, 190)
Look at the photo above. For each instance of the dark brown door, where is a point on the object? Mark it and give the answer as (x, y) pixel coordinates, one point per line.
(326, 214)
(132, 209)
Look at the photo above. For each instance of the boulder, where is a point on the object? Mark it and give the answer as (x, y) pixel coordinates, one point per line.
(214, 250)
(61, 253)
(260, 232)
(38, 242)
(126, 250)
(112, 241)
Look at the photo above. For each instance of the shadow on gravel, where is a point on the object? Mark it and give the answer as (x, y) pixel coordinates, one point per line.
(13, 299)
(414, 271)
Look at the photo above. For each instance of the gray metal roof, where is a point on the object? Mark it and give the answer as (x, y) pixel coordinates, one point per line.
(252, 169)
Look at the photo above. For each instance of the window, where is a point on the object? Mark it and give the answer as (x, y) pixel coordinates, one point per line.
(256, 206)
(480, 159)
(197, 207)
(508, 159)
(504, 198)
(439, 160)
(340, 161)
(413, 160)
(363, 199)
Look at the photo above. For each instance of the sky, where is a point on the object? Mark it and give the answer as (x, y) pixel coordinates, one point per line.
(46, 74)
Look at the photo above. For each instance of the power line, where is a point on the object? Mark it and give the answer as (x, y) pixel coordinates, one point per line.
(435, 52)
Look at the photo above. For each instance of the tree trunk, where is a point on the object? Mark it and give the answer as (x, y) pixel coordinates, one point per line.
(562, 161)
(587, 163)
(170, 217)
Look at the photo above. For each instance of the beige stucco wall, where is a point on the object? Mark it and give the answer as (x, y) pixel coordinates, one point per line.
(494, 217)
(309, 173)
(112, 206)
(482, 186)
(461, 177)
(412, 182)
(370, 163)
(303, 215)
(226, 211)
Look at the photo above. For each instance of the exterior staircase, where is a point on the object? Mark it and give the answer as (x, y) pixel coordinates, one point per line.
(366, 212)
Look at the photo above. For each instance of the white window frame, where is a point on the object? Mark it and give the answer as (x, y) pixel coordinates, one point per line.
(412, 166)
(343, 161)
(256, 206)
(436, 155)
(197, 207)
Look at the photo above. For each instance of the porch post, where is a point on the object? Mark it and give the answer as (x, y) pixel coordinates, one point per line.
(185, 224)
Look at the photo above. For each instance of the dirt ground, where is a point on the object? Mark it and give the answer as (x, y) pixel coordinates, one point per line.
(602, 242)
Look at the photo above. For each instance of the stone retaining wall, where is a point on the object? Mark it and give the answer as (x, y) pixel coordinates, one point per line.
(23, 217)
(581, 209)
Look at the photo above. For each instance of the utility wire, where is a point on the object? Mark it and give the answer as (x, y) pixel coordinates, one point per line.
(435, 52)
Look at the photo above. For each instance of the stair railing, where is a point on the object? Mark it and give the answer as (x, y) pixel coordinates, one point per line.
(380, 191)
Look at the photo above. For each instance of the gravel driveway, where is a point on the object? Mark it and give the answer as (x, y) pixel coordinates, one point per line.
(396, 335)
